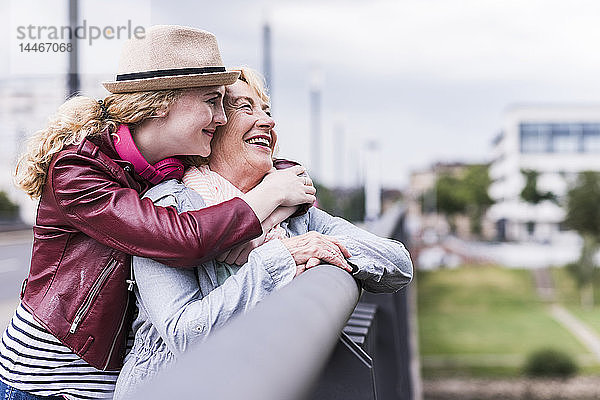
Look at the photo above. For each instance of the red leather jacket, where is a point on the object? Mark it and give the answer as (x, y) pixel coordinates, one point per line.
(90, 220)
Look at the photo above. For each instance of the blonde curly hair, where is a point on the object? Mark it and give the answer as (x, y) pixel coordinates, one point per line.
(82, 117)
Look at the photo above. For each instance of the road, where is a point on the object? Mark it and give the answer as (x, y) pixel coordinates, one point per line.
(15, 255)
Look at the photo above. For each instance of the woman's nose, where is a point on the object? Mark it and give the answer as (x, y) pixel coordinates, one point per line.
(265, 121)
(220, 117)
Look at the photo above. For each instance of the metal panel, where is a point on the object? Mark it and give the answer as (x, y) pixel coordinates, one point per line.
(350, 376)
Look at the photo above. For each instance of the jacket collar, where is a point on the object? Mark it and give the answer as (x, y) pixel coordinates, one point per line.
(105, 144)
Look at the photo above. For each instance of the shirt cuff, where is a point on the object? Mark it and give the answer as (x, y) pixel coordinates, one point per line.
(278, 262)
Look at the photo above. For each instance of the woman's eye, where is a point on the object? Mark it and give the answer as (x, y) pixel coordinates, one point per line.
(212, 101)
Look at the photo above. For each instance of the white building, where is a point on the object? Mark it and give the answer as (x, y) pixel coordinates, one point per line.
(558, 141)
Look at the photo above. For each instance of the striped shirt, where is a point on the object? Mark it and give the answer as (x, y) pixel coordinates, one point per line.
(34, 361)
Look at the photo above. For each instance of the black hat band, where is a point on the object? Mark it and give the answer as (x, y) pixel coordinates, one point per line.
(169, 72)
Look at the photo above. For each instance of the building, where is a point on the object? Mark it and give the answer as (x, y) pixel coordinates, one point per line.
(26, 103)
(557, 141)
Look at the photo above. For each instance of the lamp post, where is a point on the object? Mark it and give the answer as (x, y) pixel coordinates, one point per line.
(73, 74)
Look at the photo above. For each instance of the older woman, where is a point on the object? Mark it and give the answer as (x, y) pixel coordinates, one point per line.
(180, 307)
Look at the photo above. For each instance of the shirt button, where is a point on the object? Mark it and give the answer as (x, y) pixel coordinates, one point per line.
(127, 168)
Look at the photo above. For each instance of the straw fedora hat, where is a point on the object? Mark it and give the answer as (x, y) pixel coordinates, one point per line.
(170, 57)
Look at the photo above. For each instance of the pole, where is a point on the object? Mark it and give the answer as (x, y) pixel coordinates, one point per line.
(372, 182)
(340, 155)
(267, 71)
(73, 74)
(315, 133)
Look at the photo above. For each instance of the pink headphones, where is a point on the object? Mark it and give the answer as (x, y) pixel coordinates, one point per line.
(169, 168)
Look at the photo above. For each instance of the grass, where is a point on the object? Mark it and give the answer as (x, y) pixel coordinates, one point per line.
(470, 371)
(566, 289)
(486, 311)
(590, 317)
(567, 294)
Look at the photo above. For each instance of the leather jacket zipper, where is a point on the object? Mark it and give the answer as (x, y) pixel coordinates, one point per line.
(112, 347)
(89, 300)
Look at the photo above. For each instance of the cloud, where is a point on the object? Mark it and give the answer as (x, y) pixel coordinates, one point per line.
(453, 40)
(428, 79)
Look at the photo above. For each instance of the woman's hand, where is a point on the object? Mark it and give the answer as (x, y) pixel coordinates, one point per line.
(312, 248)
(284, 187)
(294, 185)
(239, 254)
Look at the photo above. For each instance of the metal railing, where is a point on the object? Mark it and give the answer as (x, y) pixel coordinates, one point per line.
(275, 351)
(396, 355)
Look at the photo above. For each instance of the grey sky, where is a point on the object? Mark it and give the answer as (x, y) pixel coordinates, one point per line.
(427, 79)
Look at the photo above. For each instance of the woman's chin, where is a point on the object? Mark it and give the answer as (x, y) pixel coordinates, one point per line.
(204, 152)
(265, 166)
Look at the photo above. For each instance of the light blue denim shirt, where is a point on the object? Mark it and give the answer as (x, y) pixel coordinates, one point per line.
(180, 307)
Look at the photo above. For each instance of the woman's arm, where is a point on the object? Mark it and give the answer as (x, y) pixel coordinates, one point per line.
(95, 203)
(183, 315)
(173, 299)
(384, 265)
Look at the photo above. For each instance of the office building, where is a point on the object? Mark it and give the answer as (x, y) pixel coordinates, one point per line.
(557, 141)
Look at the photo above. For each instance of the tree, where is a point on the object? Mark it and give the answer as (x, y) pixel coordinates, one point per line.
(530, 192)
(584, 271)
(346, 203)
(8, 209)
(354, 206)
(583, 205)
(326, 199)
(477, 178)
(465, 193)
(583, 216)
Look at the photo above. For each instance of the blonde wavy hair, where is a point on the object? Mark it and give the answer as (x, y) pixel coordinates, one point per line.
(82, 117)
(256, 81)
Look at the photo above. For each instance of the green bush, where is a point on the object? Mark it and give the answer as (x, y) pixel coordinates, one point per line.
(550, 362)
(8, 209)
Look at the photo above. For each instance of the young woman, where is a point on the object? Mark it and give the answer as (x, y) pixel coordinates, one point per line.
(88, 168)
